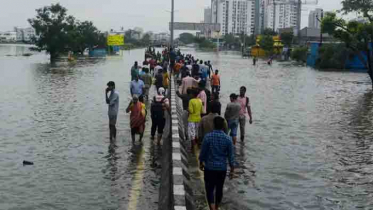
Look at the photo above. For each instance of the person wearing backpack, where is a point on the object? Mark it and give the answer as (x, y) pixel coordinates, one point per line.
(158, 107)
(159, 79)
(245, 109)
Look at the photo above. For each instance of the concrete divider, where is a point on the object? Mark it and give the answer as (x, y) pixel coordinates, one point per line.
(182, 193)
(175, 192)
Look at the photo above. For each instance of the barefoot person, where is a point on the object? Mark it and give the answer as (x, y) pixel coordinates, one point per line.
(158, 109)
(137, 117)
(195, 110)
(216, 149)
(113, 103)
(232, 115)
(245, 109)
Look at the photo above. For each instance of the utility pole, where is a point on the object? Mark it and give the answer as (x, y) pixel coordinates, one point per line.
(274, 15)
(320, 21)
(172, 23)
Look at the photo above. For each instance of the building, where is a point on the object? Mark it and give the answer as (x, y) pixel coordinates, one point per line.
(208, 15)
(162, 37)
(8, 36)
(25, 34)
(234, 16)
(313, 35)
(278, 15)
(313, 17)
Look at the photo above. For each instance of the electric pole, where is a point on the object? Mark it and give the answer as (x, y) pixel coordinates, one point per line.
(172, 23)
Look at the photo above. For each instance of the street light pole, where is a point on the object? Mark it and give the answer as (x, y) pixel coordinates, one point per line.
(322, 16)
(172, 23)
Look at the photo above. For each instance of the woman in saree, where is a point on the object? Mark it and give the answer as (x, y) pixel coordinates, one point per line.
(137, 117)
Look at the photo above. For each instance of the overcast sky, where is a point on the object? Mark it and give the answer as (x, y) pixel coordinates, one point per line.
(151, 15)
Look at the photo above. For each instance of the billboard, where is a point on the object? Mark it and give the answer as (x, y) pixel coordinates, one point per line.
(196, 26)
(115, 40)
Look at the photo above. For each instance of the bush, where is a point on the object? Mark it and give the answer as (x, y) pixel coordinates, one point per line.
(299, 54)
(333, 56)
(205, 43)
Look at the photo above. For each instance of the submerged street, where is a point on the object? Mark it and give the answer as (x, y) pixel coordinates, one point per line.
(309, 147)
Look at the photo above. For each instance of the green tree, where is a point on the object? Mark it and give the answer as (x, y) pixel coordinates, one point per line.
(146, 40)
(230, 39)
(362, 7)
(269, 31)
(299, 54)
(58, 33)
(51, 26)
(186, 38)
(266, 43)
(82, 35)
(356, 36)
(287, 38)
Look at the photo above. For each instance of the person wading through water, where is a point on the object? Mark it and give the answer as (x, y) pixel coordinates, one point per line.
(232, 115)
(158, 107)
(195, 111)
(137, 117)
(216, 149)
(113, 104)
(245, 109)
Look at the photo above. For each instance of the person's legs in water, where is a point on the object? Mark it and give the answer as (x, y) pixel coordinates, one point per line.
(161, 125)
(233, 126)
(154, 128)
(242, 126)
(210, 185)
(192, 134)
(112, 128)
(141, 134)
(220, 179)
(133, 134)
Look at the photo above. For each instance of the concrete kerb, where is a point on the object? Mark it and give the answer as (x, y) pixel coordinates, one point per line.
(182, 197)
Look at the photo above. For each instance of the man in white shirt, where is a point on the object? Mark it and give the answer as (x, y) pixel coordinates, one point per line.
(113, 104)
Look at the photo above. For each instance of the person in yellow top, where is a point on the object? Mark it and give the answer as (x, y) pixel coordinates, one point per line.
(166, 79)
(137, 117)
(194, 117)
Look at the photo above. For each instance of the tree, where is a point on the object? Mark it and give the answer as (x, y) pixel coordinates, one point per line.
(299, 54)
(186, 38)
(146, 39)
(58, 33)
(52, 28)
(229, 39)
(266, 43)
(287, 38)
(356, 36)
(269, 31)
(362, 7)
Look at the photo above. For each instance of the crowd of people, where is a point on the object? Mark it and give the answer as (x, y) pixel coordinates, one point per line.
(198, 88)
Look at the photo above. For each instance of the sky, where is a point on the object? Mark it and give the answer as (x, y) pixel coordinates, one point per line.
(151, 15)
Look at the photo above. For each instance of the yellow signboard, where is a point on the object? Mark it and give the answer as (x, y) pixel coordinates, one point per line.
(115, 40)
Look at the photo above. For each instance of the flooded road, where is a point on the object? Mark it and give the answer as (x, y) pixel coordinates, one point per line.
(310, 146)
(311, 143)
(56, 116)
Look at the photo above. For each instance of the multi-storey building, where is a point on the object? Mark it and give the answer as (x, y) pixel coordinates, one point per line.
(313, 17)
(279, 14)
(234, 16)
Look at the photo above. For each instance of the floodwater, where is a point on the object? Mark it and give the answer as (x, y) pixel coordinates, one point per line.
(311, 143)
(310, 146)
(56, 117)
